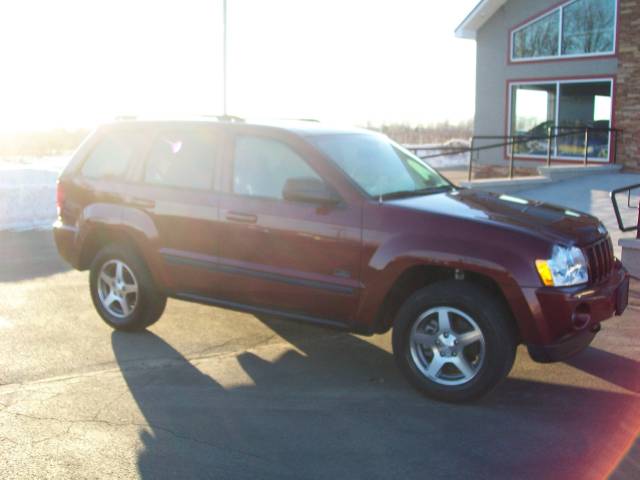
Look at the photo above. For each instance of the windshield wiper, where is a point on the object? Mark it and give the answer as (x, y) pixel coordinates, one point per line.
(415, 193)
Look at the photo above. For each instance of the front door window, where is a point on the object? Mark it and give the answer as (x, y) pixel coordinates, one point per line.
(262, 166)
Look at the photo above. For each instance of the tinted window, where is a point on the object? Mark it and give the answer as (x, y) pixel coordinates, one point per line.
(582, 27)
(111, 156)
(182, 159)
(588, 27)
(538, 39)
(262, 166)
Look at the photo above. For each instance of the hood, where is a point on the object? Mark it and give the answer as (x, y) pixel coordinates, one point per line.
(558, 224)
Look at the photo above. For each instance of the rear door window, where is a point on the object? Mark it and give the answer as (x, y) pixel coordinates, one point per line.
(111, 157)
(184, 159)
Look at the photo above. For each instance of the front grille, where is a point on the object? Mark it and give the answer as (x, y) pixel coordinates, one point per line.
(601, 260)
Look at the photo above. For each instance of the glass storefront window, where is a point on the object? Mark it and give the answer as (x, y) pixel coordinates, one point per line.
(567, 107)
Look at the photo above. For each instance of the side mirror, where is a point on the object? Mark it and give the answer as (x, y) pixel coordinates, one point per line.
(309, 190)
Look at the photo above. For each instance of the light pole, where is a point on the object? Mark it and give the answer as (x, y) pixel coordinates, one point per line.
(224, 58)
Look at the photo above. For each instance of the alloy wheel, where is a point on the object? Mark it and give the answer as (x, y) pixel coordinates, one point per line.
(117, 288)
(447, 346)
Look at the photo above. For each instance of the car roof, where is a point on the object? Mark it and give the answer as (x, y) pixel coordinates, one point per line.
(303, 128)
(308, 128)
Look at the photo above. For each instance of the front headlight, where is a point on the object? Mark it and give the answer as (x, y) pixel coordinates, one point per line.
(566, 267)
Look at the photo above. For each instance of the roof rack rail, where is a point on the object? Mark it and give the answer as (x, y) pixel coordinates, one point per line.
(227, 118)
(220, 118)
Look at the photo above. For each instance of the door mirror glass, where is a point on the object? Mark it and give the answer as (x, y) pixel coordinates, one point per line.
(310, 190)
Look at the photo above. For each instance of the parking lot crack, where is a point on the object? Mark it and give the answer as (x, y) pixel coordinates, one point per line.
(205, 353)
(153, 427)
(111, 402)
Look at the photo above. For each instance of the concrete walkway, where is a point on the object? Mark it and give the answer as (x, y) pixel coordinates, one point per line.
(589, 194)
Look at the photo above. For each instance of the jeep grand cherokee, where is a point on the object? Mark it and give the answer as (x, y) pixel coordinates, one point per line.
(342, 228)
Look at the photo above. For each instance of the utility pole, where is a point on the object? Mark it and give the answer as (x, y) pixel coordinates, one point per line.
(224, 57)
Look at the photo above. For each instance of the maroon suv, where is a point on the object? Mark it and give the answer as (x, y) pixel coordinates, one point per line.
(342, 228)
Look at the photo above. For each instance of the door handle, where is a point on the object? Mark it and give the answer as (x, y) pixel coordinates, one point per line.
(142, 203)
(241, 217)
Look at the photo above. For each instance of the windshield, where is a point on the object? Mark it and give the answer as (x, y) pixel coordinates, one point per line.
(379, 166)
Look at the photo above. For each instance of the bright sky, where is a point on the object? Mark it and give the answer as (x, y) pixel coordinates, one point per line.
(68, 63)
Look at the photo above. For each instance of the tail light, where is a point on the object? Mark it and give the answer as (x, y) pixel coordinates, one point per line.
(59, 197)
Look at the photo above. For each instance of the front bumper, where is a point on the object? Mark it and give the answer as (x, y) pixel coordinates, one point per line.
(563, 348)
(567, 319)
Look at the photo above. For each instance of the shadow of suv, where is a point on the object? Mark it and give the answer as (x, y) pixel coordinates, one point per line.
(337, 227)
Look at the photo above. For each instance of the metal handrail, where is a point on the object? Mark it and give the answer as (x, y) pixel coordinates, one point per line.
(614, 200)
(519, 139)
(512, 140)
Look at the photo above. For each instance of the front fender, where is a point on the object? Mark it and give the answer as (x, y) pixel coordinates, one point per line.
(504, 266)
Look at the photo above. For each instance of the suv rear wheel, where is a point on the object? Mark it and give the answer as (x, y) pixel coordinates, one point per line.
(454, 341)
(122, 289)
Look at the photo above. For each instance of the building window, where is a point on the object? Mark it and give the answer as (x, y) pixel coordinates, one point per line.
(538, 39)
(565, 108)
(588, 27)
(578, 28)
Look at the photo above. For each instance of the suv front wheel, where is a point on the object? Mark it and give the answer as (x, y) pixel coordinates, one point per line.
(454, 341)
(122, 289)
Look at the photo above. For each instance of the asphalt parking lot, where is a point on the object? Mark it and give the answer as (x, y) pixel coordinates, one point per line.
(208, 393)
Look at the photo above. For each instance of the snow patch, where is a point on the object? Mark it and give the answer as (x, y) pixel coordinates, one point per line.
(448, 161)
(440, 156)
(28, 192)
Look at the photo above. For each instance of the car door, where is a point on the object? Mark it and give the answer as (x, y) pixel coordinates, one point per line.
(294, 257)
(174, 197)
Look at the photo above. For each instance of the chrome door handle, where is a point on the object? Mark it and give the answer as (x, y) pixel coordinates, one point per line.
(241, 217)
(142, 203)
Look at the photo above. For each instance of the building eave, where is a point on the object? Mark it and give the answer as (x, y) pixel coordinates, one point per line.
(480, 14)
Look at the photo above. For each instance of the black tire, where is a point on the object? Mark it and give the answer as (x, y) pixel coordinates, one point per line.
(491, 317)
(149, 302)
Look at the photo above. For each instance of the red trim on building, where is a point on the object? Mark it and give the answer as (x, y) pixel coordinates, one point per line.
(540, 14)
(564, 59)
(616, 47)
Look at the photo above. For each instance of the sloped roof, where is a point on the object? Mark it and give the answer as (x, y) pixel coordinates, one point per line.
(482, 12)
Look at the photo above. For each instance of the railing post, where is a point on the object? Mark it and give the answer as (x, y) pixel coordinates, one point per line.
(510, 156)
(471, 159)
(586, 146)
(549, 147)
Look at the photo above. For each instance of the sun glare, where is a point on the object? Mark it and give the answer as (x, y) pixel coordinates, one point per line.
(77, 62)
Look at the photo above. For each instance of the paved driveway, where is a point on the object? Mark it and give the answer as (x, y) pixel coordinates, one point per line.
(208, 393)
